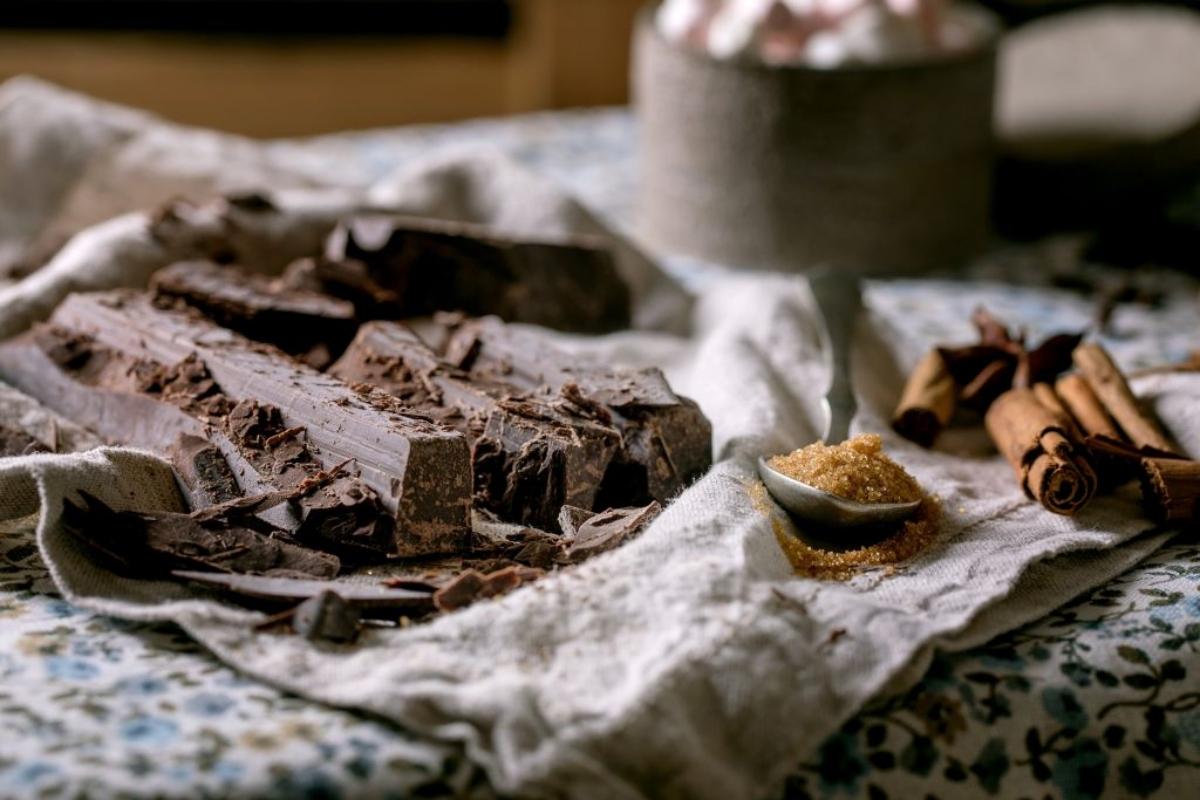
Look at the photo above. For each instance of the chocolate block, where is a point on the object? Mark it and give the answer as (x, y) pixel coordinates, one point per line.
(300, 322)
(666, 439)
(433, 265)
(530, 456)
(419, 470)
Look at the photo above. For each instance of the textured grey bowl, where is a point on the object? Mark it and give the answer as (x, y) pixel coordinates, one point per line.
(879, 168)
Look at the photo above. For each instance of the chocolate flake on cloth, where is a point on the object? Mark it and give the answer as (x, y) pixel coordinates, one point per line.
(608, 529)
(372, 599)
(327, 617)
(472, 585)
(143, 544)
(19, 443)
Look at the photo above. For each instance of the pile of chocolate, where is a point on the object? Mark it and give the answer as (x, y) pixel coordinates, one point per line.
(370, 406)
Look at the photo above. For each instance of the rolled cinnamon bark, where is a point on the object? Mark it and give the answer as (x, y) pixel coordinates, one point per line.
(1049, 398)
(928, 401)
(1113, 392)
(1087, 409)
(1049, 467)
(1171, 489)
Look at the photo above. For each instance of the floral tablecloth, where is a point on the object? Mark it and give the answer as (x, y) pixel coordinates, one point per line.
(1098, 697)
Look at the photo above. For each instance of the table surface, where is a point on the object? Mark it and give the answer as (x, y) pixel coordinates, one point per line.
(1098, 696)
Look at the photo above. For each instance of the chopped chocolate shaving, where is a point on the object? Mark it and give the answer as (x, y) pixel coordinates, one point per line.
(327, 617)
(250, 201)
(146, 544)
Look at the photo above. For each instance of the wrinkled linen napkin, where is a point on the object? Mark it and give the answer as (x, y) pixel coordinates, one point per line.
(690, 662)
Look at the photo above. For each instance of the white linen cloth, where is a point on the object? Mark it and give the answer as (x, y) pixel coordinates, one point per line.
(688, 663)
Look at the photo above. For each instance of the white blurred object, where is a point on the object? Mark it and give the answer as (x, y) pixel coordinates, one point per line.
(824, 33)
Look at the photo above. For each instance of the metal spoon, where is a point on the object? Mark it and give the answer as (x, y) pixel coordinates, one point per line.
(839, 299)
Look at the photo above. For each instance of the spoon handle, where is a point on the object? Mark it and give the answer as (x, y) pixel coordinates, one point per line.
(839, 299)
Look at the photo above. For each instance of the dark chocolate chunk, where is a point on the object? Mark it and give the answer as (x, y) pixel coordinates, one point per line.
(472, 585)
(666, 439)
(327, 617)
(529, 456)
(297, 321)
(435, 265)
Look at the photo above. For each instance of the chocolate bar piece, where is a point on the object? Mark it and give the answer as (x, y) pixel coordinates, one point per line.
(666, 439)
(146, 544)
(372, 599)
(433, 265)
(303, 323)
(530, 456)
(419, 470)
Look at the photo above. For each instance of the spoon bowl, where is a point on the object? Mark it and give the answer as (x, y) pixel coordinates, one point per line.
(829, 510)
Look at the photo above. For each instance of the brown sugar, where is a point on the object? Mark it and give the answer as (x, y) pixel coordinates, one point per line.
(812, 562)
(856, 469)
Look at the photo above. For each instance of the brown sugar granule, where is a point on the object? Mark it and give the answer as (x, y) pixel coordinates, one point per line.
(913, 536)
(856, 469)
(859, 470)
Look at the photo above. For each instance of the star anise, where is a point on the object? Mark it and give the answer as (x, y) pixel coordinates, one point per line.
(1001, 360)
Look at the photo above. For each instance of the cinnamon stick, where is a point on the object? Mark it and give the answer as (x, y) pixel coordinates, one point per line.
(1171, 489)
(1111, 388)
(1049, 467)
(1049, 398)
(928, 402)
(1078, 397)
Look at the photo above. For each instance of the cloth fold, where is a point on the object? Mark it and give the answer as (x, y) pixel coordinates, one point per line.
(690, 662)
